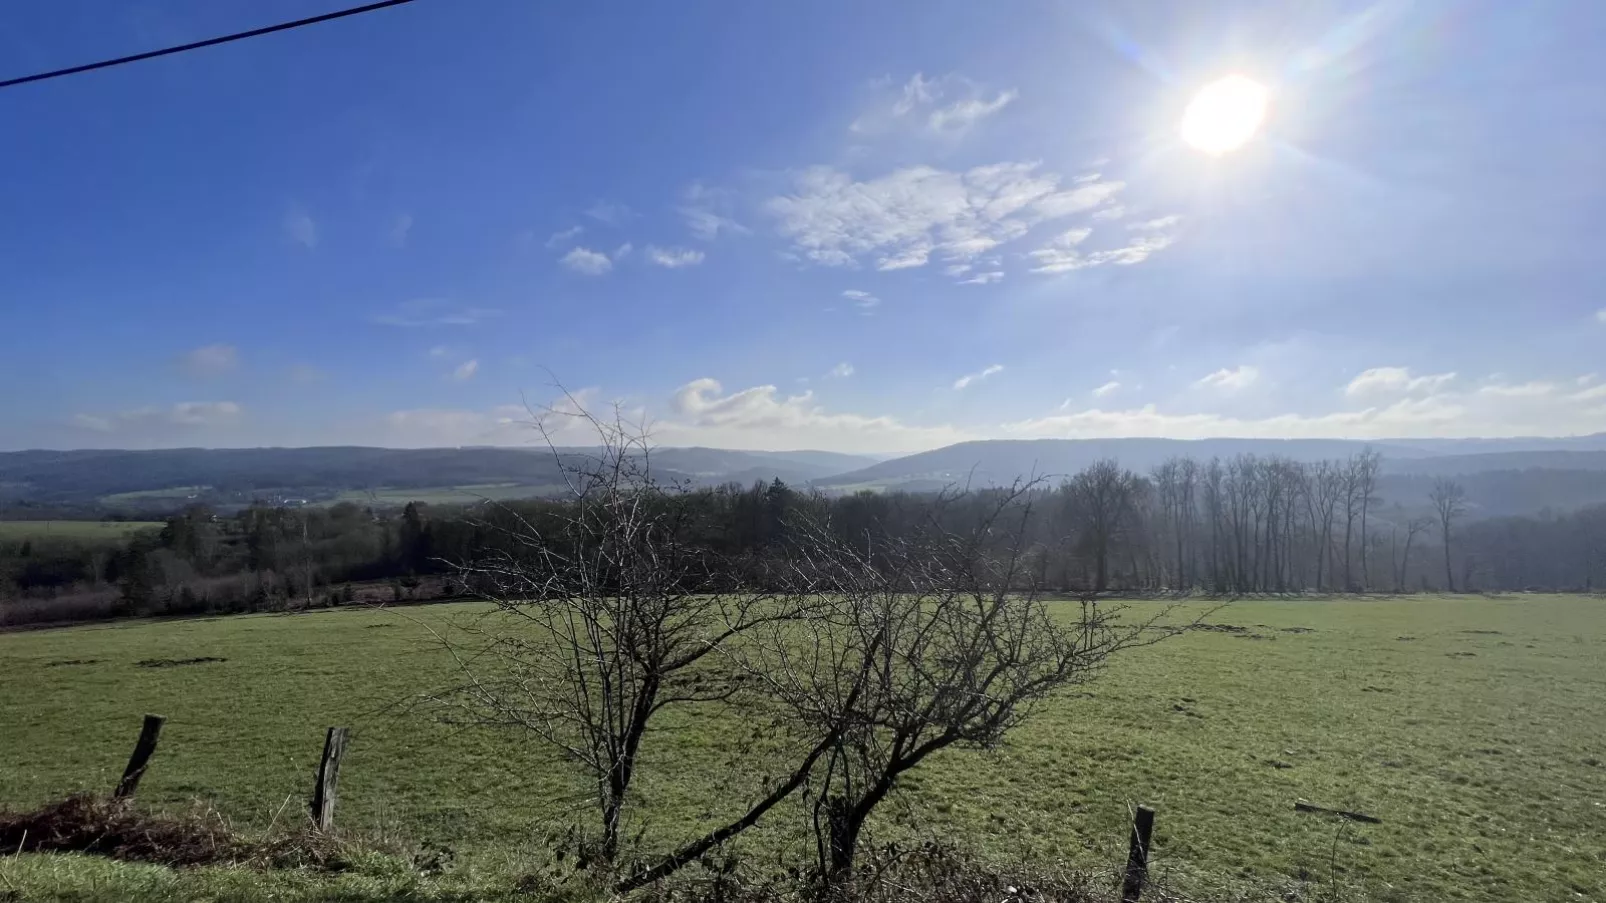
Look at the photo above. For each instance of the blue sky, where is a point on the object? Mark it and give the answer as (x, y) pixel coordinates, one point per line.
(865, 227)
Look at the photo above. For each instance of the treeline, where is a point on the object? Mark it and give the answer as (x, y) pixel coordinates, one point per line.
(1241, 525)
(260, 559)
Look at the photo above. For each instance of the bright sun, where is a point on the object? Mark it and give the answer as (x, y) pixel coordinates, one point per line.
(1224, 114)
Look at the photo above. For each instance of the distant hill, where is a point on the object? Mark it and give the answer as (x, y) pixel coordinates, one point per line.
(1453, 464)
(1501, 476)
(1002, 460)
(148, 479)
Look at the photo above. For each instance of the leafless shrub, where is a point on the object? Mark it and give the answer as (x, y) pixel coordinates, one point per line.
(607, 612)
(923, 644)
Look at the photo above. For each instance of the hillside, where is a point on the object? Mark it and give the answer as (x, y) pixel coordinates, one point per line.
(1002, 460)
(155, 479)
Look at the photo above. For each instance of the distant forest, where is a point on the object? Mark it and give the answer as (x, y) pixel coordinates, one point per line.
(1243, 525)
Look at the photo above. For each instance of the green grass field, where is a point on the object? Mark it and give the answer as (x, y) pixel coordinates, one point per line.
(1472, 727)
(173, 493)
(439, 495)
(82, 530)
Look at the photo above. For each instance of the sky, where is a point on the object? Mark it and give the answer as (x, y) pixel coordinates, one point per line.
(877, 227)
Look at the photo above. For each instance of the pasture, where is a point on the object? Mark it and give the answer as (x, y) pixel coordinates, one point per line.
(76, 530)
(1472, 727)
(439, 495)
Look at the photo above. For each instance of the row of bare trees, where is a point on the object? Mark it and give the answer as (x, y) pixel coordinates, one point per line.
(1272, 524)
(865, 654)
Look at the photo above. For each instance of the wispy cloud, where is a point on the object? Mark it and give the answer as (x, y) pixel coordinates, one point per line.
(587, 261)
(841, 371)
(1380, 381)
(1492, 410)
(984, 278)
(564, 236)
(156, 420)
(1600, 315)
(306, 374)
(863, 300)
(949, 105)
(908, 217)
(209, 360)
(1064, 255)
(425, 312)
(466, 370)
(611, 213)
(970, 378)
(300, 228)
(1233, 380)
(708, 212)
(1108, 388)
(760, 417)
(399, 230)
(674, 258)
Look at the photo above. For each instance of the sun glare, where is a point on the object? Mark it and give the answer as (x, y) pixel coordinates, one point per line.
(1224, 115)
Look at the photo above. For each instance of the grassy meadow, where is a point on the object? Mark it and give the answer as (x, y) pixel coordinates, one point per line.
(1472, 727)
(75, 530)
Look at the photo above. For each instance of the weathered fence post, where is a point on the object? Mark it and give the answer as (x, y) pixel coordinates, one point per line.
(1137, 856)
(143, 750)
(323, 793)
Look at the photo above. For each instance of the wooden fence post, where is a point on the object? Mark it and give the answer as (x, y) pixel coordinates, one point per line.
(143, 750)
(1137, 856)
(324, 792)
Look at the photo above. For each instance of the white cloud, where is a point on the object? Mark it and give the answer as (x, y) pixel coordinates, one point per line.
(1062, 256)
(564, 236)
(210, 360)
(148, 421)
(945, 106)
(968, 378)
(842, 370)
(1108, 388)
(623, 251)
(1233, 380)
(1380, 381)
(306, 374)
(400, 228)
(587, 261)
(1509, 410)
(1521, 390)
(1600, 315)
(760, 418)
(610, 213)
(985, 278)
(708, 212)
(466, 370)
(427, 312)
(1157, 224)
(905, 218)
(961, 115)
(674, 258)
(300, 227)
(865, 301)
(439, 351)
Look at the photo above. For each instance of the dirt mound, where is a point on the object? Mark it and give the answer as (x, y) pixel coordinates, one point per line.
(115, 829)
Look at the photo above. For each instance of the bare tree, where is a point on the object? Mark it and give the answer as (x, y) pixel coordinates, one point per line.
(1104, 496)
(607, 613)
(931, 643)
(1412, 528)
(1366, 466)
(1449, 500)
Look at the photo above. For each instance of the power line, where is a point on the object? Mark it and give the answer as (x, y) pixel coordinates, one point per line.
(209, 42)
